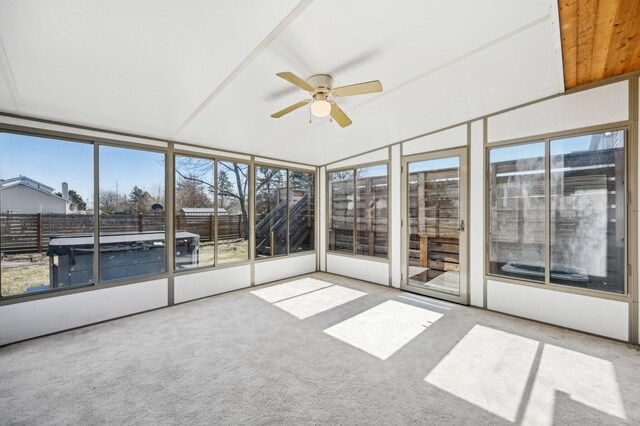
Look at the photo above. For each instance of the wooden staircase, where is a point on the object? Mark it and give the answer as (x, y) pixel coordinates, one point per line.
(271, 232)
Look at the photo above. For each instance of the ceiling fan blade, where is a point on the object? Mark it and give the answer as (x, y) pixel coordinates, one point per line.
(358, 89)
(294, 79)
(341, 118)
(291, 108)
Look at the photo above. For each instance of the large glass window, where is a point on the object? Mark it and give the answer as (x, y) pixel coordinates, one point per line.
(341, 211)
(132, 216)
(271, 211)
(588, 207)
(301, 211)
(46, 214)
(233, 212)
(194, 212)
(198, 244)
(358, 211)
(586, 217)
(517, 201)
(371, 211)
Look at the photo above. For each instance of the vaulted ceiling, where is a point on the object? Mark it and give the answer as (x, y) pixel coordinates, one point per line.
(600, 39)
(203, 72)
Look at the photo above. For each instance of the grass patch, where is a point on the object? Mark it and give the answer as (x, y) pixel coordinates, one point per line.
(233, 251)
(32, 271)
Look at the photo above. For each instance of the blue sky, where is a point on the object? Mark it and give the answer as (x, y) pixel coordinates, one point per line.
(532, 150)
(436, 164)
(379, 170)
(52, 161)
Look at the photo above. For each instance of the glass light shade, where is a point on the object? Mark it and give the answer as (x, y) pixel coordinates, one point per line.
(320, 108)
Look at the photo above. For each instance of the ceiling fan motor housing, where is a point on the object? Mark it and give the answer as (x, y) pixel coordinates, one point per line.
(322, 82)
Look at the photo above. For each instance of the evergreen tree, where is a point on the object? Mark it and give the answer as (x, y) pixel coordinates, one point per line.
(139, 200)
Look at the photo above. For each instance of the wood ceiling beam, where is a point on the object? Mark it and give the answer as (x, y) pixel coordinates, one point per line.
(600, 39)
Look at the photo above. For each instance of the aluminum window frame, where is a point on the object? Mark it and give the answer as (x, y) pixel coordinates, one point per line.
(167, 149)
(328, 204)
(288, 169)
(628, 225)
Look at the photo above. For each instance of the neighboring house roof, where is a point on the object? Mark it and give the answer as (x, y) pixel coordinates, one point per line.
(24, 180)
(31, 184)
(202, 211)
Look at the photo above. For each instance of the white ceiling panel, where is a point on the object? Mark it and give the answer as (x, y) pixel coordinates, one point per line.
(436, 71)
(140, 66)
(469, 88)
(146, 66)
(6, 100)
(9, 98)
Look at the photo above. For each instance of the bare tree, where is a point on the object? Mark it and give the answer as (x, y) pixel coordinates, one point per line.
(236, 195)
(190, 193)
(109, 201)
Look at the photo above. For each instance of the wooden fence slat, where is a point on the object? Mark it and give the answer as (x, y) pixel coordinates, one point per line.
(32, 232)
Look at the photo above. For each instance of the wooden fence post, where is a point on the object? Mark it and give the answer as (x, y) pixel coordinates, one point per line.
(140, 223)
(371, 238)
(422, 220)
(273, 243)
(240, 226)
(211, 228)
(424, 250)
(39, 231)
(179, 222)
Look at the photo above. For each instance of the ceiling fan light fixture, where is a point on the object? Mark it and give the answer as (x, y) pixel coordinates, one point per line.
(320, 87)
(320, 108)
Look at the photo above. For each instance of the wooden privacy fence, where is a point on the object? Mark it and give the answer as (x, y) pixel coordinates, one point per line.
(32, 232)
(368, 213)
(434, 218)
(229, 226)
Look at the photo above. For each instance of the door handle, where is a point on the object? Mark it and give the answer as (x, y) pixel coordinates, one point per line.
(461, 227)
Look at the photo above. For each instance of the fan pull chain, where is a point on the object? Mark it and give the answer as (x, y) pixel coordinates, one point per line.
(309, 115)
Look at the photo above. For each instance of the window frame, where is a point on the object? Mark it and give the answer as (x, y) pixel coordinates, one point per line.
(547, 138)
(250, 172)
(169, 149)
(315, 211)
(252, 197)
(327, 218)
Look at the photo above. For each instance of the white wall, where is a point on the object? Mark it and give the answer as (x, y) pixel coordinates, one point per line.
(591, 314)
(606, 104)
(356, 267)
(79, 131)
(208, 283)
(277, 269)
(371, 157)
(25, 320)
(450, 138)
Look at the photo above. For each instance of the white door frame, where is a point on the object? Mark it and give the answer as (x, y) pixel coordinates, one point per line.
(463, 297)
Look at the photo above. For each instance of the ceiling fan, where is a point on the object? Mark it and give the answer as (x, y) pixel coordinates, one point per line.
(320, 87)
